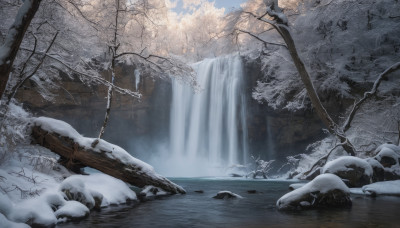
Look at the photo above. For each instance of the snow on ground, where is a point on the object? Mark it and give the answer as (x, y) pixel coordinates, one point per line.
(51, 206)
(5, 223)
(113, 151)
(30, 190)
(383, 188)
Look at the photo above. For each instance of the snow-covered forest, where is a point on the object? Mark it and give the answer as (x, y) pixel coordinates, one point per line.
(100, 100)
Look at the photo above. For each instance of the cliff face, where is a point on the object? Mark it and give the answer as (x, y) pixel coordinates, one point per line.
(140, 125)
(277, 133)
(132, 121)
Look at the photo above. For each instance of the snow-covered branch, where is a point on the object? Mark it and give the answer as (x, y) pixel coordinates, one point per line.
(369, 94)
(94, 78)
(16, 87)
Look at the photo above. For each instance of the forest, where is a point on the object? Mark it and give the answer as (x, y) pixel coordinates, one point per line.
(193, 113)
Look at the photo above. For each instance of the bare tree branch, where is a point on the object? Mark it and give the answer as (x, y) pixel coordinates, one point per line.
(258, 38)
(369, 94)
(322, 161)
(16, 87)
(88, 76)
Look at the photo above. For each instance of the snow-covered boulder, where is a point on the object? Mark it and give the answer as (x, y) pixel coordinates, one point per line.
(326, 190)
(151, 192)
(97, 190)
(227, 195)
(296, 186)
(72, 210)
(391, 188)
(390, 146)
(74, 189)
(356, 172)
(379, 171)
(388, 155)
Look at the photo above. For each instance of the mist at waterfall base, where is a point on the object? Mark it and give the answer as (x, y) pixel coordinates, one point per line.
(208, 133)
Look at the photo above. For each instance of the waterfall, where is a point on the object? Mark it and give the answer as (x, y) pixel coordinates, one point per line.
(208, 128)
(137, 79)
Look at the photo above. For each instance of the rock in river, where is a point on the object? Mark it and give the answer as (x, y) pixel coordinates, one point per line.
(326, 190)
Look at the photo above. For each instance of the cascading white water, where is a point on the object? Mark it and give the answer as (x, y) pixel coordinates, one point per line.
(208, 128)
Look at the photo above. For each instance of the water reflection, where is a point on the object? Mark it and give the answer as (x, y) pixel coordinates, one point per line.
(254, 210)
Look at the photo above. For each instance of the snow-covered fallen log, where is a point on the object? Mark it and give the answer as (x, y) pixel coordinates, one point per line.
(64, 140)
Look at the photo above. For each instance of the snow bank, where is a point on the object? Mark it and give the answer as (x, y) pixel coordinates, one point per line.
(318, 192)
(71, 210)
(113, 151)
(5, 223)
(112, 190)
(383, 188)
(34, 211)
(50, 206)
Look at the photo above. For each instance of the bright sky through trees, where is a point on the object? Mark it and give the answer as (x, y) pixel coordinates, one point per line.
(186, 6)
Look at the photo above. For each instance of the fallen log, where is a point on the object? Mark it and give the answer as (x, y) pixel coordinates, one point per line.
(62, 139)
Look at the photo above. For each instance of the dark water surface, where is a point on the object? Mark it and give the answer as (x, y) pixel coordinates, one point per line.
(254, 210)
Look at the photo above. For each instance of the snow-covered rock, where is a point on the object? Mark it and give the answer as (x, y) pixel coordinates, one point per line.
(71, 210)
(150, 192)
(388, 155)
(391, 188)
(74, 189)
(326, 190)
(227, 195)
(390, 146)
(379, 171)
(355, 171)
(97, 190)
(296, 186)
(114, 192)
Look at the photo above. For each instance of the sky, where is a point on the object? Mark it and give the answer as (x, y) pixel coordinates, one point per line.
(185, 6)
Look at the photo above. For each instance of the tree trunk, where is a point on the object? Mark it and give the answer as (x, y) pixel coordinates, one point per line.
(131, 174)
(16, 33)
(306, 79)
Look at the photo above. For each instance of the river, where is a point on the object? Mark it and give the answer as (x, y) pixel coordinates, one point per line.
(253, 210)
